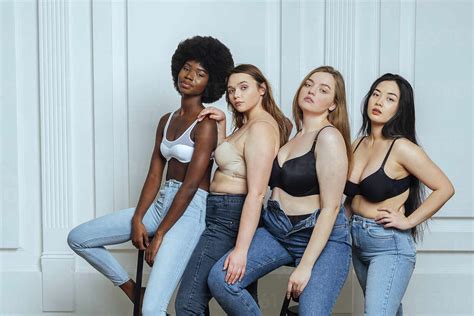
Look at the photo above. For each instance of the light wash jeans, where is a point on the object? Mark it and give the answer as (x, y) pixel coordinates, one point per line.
(384, 259)
(88, 241)
(280, 243)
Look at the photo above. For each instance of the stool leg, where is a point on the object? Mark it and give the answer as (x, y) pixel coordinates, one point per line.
(284, 307)
(138, 284)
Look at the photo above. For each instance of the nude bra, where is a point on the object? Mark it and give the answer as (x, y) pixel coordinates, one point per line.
(230, 161)
(378, 186)
(297, 176)
(181, 148)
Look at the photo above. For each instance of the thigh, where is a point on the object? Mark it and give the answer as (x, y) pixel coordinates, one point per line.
(360, 267)
(387, 280)
(170, 261)
(327, 279)
(110, 229)
(264, 255)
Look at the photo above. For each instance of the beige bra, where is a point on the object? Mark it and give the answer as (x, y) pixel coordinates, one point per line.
(230, 161)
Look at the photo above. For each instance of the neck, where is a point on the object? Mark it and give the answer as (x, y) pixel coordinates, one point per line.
(253, 112)
(313, 122)
(190, 104)
(376, 132)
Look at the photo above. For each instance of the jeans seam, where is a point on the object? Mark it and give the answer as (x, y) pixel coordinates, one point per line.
(84, 243)
(196, 273)
(394, 268)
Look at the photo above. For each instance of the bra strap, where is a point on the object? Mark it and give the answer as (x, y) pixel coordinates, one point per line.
(316, 138)
(388, 153)
(360, 141)
(167, 124)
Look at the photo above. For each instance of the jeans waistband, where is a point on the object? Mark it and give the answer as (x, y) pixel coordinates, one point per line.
(175, 184)
(225, 205)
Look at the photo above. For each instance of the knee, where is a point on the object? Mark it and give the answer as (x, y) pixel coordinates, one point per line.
(73, 239)
(217, 284)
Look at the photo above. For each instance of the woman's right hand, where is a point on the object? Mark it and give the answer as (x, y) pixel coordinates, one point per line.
(214, 113)
(139, 235)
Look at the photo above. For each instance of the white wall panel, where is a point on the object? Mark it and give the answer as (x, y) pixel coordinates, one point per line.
(99, 74)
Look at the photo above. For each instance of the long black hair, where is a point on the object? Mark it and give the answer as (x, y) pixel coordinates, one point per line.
(402, 124)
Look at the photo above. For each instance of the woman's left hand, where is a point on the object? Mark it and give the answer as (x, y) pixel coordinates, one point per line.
(392, 218)
(298, 281)
(152, 249)
(235, 264)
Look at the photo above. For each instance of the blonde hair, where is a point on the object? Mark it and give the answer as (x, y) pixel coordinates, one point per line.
(338, 117)
(268, 102)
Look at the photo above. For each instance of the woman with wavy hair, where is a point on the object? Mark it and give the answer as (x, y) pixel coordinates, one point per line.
(304, 222)
(385, 194)
(239, 185)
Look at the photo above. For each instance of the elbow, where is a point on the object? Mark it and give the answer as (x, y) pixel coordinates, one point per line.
(450, 191)
(256, 196)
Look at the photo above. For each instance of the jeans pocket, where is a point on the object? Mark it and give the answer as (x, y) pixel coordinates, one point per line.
(380, 232)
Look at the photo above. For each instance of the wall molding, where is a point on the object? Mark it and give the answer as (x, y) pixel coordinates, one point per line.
(56, 261)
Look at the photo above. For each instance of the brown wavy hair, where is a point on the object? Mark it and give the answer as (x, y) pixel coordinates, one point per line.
(268, 102)
(338, 117)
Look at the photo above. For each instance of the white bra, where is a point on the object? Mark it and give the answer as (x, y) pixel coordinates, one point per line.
(181, 148)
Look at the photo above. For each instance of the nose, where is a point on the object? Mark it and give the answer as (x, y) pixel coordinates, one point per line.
(190, 75)
(312, 90)
(378, 101)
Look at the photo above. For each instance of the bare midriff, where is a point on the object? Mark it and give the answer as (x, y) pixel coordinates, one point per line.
(295, 205)
(365, 208)
(225, 184)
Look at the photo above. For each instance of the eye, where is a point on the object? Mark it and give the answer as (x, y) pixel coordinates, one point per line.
(202, 75)
(307, 85)
(391, 99)
(375, 94)
(243, 87)
(324, 91)
(230, 91)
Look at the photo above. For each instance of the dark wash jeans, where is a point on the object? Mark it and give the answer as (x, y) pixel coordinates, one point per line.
(280, 243)
(222, 225)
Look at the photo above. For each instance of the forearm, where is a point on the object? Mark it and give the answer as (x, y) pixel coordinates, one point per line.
(221, 131)
(319, 237)
(180, 203)
(249, 220)
(430, 206)
(147, 196)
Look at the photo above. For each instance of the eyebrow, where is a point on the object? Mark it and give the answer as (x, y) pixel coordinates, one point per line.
(394, 94)
(229, 86)
(323, 84)
(199, 68)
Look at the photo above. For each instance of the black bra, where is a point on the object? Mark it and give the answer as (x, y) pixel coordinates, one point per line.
(378, 186)
(297, 176)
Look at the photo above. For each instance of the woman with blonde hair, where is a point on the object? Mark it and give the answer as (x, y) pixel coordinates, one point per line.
(304, 221)
(239, 185)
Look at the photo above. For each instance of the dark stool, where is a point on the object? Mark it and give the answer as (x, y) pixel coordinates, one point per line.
(287, 310)
(138, 284)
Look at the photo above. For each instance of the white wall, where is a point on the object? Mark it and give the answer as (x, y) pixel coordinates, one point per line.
(84, 83)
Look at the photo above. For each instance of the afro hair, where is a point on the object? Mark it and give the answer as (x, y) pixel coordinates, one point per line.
(214, 56)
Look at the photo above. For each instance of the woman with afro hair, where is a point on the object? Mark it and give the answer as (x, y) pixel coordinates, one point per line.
(169, 228)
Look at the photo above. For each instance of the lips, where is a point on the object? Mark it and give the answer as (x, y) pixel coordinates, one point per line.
(376, 112)
(185, 85)
(238, 103)
(308, 99)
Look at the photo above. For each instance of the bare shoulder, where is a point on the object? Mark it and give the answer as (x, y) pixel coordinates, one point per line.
(207, 125)
(330, 137)
(406, 149)
(263, 126)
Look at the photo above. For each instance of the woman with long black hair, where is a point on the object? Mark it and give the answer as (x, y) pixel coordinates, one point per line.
(385, 194)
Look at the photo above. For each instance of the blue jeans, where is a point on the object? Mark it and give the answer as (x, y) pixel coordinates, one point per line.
(222, 225)
(384, 259)
(88, 241)
(280, 243)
